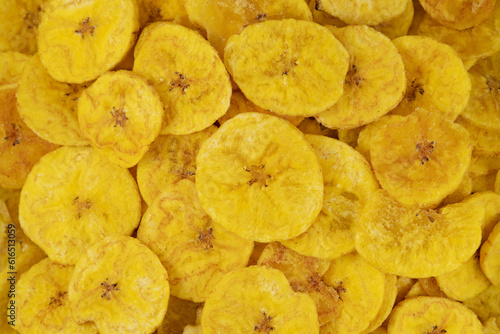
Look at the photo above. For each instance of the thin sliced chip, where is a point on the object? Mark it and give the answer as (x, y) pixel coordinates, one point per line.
(180, 313)
(390, 293)
(464, 190)
(362, 11)
(121, 286)
(491, 327)
(431, 287)
(404, 285)
(258, 299)
(349, 136)
(170, 159)
(161, 10)
(486, 304)
(365, 137)
(42, 301)
(48, 106)
(416, 290)
(224, 18)
(196, 251)
(465, 282)
(375, 82)
(20, 147)
(490, 256)
(259, 178)
(459, 14)
(289, 67)
(349, 184)
(97, 33)
(490, 201)
(484, 182)
(417, 243)
(305, 275)
(483, 165)
(121, 114)
(361, 290)
(436, 77)
(323, 17)
(420, 159)
(11, 66)
(188, 74)
(433, 315)
(73, 198)
(399, 25)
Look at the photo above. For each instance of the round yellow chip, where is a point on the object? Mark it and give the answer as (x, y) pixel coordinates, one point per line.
(289, 67)
(490, 256)
(49, 106)
(79, 40)
(417, 243)
(459, 14)
(436, 77)
(486, 304)
(362, 11)
(433, 315)
(259, 178)
(399, 25)
(390, 294)
(73, 198)
(196, 251)
(42, 301)
(188, 74)
(421, 159)
(465, 282)
(258, 299)
(11, 66)
(224, 18)
(375, 82)
(170, 159)
(121, 286)
(121, 114)
(349, 184)
(20, 147)
(361, 291)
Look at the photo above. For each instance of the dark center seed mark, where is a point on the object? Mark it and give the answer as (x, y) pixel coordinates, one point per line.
(108, 289)
(206, 238)
(265, 325)
(119, 116)
(352, 76)
(85, 28)
(258, 174)
(180, 82)
(14, 134)
(57, 300)
(424, 150)
(415, 88)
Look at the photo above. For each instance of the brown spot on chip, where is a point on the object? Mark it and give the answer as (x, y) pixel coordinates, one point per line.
(265, 325)
(85, 28)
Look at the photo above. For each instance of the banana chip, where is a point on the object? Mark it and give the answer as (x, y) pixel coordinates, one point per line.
(433, 315)
(224, 18)
(490, 256)
(121, 286)
(259, 178)
(196, 251)
(258, 299)
(390, 294)
(289, 67)
(365, 137)
(399, 25)
(20, 147)
(121, 114)
(349, 184)
(11, 66)
(78, 40)
(486, 304)
(491, 327)
(73, 198)
(490, 201)
(436, 77)
(161, 10)
(170, 159)
(48, 106)
(414, 242)
(486, 142)
(305, 275)
(42, 299)
(420, 159)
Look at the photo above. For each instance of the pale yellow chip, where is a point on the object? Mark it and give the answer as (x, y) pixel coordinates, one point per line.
(436, 77)
(19, 20)
(121, 286)
(404, 285)
(471, 44)
(258, 299)
(465, 282)
(310, 126)
(399, 25)
(20, 147)
(224, 18)
(417, 243)
(361, 290)
(486, 304)
(464, 189)
(180, 314)
(433, 315)
(48, 106)
(349, 184)
(362, 11)
(305, 275)
(170, 159)
(490, 256)
(365, 137)
(73, 198)
(421, 158)
(196, 251)
(161, 10)
(390, 294)
(491, 326)
(431, 287)
(289, 67)
(121, 114)
(375, 82)
(79, 40)
(323, 17)
(42, 301)
(259, 178)
(483, 165)
(188, 74)
(416, 290)
(11, 66)
(490, 201)
(459, 14)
